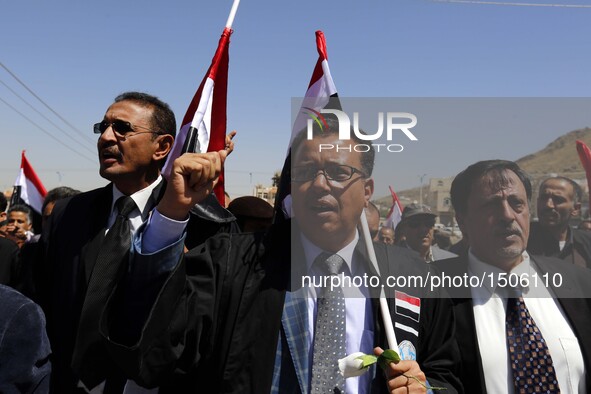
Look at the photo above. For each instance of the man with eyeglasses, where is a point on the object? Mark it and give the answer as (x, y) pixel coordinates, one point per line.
(232, 315)
(419, 225)
(134, 139)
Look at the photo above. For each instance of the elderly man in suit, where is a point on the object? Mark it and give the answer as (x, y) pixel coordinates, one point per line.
(134, 139)
(232, 315)
(517, 332)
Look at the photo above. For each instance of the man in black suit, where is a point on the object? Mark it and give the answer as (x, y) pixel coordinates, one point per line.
(491, 201)
(134, 139)
(232, 316)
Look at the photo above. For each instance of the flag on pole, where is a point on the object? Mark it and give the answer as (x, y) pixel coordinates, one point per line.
(28, 188)
(320, 92)
(204, 126)
(585, 157)
(395, 214)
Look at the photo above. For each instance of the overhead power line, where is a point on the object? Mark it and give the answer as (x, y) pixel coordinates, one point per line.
(93, 160)
(44, 103)
(46, 118)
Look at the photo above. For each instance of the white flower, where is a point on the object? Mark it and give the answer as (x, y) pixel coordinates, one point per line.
(352, 365)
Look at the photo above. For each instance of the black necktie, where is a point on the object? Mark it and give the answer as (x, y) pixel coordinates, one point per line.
(531, 363)
(108, 268)
(329, 333)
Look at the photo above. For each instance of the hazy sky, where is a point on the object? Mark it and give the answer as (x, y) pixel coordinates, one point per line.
(78, 55)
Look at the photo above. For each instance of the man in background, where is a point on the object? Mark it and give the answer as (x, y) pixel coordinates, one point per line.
(559, 201)
(419, 224)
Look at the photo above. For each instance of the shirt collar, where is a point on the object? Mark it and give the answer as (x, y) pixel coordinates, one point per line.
(484, 270)
(140, 197)
(312, 251)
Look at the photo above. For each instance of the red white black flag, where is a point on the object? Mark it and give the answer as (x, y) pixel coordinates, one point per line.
(320, 91)
(28, 188)
(204, 125)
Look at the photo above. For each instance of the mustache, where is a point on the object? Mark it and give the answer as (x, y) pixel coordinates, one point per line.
(111, 150)
(512, 229)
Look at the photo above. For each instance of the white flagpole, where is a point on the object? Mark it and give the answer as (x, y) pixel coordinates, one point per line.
(390, 335)
(232, 14)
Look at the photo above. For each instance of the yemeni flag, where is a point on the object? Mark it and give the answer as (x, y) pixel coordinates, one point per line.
(395, 214)
(321, 91)
(407, 305)
(204, 125)
(585, 157)
(28, 188)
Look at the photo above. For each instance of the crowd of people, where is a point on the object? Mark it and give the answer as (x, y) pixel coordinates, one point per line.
(135, 287)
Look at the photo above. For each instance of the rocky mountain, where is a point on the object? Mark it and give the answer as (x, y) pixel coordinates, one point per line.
(558, 157)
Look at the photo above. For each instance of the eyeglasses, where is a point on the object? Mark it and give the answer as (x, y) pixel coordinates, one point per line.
(121, 128)
(418, 223)
(336, 172)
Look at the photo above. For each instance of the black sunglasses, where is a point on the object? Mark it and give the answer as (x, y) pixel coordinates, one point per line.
(421, 222)
(120, 127)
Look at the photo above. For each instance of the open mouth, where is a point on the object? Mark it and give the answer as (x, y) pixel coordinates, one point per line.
(110, 155)
(322, 206)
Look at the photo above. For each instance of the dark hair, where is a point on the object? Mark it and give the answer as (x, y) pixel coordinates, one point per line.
(577, 190)
(367, 157)
(162, 120)
(3, 203)
(22, 208)
(461, 187)
(57, 194)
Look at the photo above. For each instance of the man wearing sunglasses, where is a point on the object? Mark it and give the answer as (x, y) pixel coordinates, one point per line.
(232, 315)
(419, 226)
(133, 140)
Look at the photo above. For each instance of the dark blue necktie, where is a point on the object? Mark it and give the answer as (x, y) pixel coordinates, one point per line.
(531, 363)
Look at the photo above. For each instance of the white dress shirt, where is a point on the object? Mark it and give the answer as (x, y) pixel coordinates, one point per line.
(141, 212)
(359, 314)
(490, 302)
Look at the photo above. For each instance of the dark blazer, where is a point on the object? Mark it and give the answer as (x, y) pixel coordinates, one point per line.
(24, 347)
(9, 260)
(570, 296)
(215, 325)
(71, 241)
(577, 249)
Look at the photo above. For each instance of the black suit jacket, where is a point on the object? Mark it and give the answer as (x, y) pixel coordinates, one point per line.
(24, 347)
(9, 260)
(215, 324)
(570, 296)
(71, 242)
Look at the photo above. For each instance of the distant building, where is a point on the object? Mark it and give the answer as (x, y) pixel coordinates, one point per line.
(267, 193)
(439, 199)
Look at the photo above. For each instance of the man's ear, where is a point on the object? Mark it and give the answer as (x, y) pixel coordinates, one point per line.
(368, 189)
(165, 143)
(577, 211)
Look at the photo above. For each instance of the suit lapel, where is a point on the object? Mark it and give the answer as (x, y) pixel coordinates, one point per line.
(98, 225)
(575, 306)
(295, 326)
